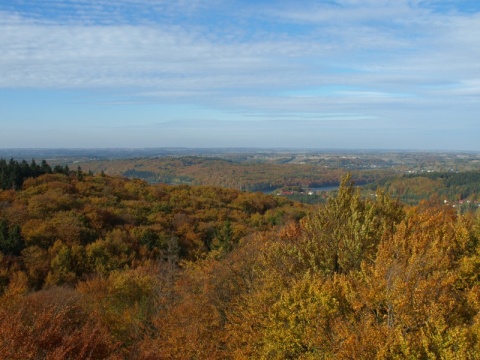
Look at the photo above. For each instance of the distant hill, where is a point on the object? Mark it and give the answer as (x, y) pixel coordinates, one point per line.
(243, 175)
(451, 187)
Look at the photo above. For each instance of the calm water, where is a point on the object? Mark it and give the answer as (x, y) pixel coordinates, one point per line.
(314, 189)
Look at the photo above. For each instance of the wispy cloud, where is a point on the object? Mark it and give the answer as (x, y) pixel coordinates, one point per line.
(368, 58)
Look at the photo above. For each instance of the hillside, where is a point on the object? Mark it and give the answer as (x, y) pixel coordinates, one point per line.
(101, 267)
(461, 189)
(60, 228)
(238, 174)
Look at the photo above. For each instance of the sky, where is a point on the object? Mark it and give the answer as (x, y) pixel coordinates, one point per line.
(331, 74)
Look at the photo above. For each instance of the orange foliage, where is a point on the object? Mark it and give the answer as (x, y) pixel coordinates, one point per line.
(52, 325)
(160, 272)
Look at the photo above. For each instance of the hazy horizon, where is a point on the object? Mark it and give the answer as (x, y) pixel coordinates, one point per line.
(344, 74)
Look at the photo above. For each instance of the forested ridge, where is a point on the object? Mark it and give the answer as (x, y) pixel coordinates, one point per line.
(263, 175)
(449, 186)
(103, 267)
(251, 176)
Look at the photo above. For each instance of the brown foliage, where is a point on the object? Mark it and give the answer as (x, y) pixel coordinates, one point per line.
(51, 325)
(356, 279)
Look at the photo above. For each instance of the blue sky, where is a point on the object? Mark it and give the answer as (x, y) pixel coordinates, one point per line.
(346, 74)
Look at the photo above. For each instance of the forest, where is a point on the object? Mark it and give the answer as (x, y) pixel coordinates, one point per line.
(243, 174)
(13, 173)
(95, 266)
(410, 177)
(449, 186)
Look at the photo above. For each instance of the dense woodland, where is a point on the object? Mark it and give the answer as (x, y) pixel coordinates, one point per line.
(264, 175)
(103, 267)
(243, 175)
(450, 186)
(13, 173)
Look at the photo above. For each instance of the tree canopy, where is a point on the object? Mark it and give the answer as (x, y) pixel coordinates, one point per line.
(100, 267)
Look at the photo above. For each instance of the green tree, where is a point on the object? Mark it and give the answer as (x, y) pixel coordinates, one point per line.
(223, 240)
(11, 242)
(347, 230)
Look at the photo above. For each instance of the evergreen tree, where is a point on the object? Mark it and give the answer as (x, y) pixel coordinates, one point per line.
(11, 242)
(3, 235)
(46, 169)
(14, 173)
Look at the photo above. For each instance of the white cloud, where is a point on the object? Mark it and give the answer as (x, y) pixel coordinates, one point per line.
(386, 53)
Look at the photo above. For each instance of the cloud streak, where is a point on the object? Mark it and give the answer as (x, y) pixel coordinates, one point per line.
(368, 58)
